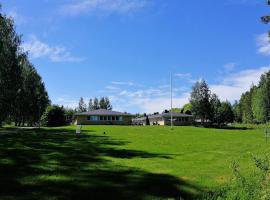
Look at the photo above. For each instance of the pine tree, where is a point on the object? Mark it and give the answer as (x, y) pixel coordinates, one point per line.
(82, 106)
(96, 104)
(90, 105)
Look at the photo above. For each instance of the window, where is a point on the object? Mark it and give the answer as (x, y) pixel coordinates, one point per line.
(101, 118)
(117, 118)
(94, 118)
(120, 118)
(113, 118)
(105, 118)
(109, 118)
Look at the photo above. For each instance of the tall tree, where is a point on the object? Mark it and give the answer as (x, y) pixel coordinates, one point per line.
(102, 103)
(10, 71)
(82, 106)
(215, 105)
(90, 105)
(225, 113)
(96, 104)
(266, 19)
(245, 103)
(108, 104)
(237, 112)
(200, 101)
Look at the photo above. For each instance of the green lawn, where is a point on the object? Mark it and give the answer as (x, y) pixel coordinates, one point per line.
(123, 163)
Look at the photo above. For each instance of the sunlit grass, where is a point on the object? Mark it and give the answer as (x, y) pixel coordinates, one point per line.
(120, 162)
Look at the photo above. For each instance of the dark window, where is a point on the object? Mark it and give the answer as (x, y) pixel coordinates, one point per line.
(113, 118)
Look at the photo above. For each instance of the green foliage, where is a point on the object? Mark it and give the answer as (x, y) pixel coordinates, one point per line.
(90, 105)
(245, 103)
(69, 115)
(23, 96)
(54, 116)
(187, 108)
(176, 110)
(208, 107)
(254, 105)
(237, 112)
(225, 113)
(96, 104)
(255, 185)
(257, 105)
(200, 101)
(82, 106)
(102, 103)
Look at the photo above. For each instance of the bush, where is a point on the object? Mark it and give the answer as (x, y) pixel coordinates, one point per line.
(255, 186)
(53, 116)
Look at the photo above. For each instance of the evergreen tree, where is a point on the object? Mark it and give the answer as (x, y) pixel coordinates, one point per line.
(96, 104)
(225, 113)
(200, 101)
(245, 103)
(90, 105)
(215, 105)
(82, 106)
(237, 112)
(108, 104)
(102, 104)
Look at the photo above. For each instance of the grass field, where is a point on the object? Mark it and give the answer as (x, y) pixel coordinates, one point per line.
(123, 163)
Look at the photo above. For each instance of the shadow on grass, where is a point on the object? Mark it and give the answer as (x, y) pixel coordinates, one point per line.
(57, 164)
(225, 127)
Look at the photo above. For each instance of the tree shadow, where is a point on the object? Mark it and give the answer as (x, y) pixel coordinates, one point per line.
(57, 164)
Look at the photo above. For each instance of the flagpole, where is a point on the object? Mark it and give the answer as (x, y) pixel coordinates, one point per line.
(171, 104)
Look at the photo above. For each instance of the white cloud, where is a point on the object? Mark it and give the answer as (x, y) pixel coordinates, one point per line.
(18, 18)
(38, 49)
(263, 43)
(129, 83)
(66, 102)
(131, 98)
(230, 66)
(234, 84)
(103, 6)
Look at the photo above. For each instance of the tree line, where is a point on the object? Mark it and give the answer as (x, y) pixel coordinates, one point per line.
(94, 104)
(23, 96)
(254, 105)
(207, 107)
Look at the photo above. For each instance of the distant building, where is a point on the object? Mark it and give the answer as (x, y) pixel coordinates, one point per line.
(103, 117)
(164, 119)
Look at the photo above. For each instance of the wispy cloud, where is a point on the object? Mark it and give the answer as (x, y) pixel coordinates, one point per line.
(234, 84)
(17, 17)
(103, 6)
(38, 49)
(123, 83)
(263, 43)
(229, 67)
(132, 98)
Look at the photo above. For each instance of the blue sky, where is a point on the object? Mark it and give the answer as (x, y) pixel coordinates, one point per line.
(126, 49)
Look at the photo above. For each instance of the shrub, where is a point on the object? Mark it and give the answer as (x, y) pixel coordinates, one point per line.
(53, 116)
(255, 185)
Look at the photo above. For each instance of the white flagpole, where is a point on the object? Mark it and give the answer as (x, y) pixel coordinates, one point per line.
(171, 104)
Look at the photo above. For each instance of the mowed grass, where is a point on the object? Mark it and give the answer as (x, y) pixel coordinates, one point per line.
(119, 162)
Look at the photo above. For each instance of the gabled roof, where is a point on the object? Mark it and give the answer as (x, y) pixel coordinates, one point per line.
(104, 112)
(174, 114)
(163, 115)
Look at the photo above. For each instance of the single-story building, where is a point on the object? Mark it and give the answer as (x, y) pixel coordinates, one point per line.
(164, 119)
(103, 117)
